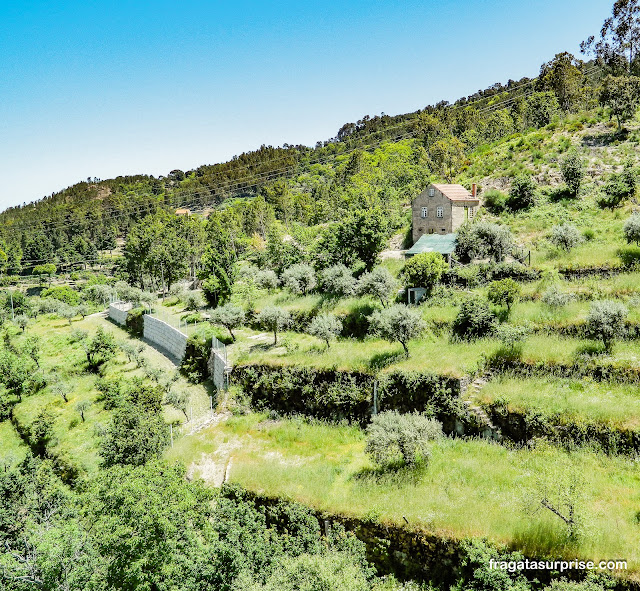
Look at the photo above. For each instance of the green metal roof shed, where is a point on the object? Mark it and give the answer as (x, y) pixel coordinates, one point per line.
(445, 244)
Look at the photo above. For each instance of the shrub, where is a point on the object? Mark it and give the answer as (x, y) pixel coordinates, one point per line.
(325, 327)
(67, 312)
(424, 270)
(503, 292)
(300, 278)
(22, 321)
(629, 255)
(572, 168)
(395, 439)
(555, 298)
(230, 316)
(100, 349)
(275, 320)
(495, 201)
(62, 293)
(522, 193)
(606, 322)
(565, 236)
(338, 281)
(379, 284)
(397, 323)
(474, 320)
(631, 229)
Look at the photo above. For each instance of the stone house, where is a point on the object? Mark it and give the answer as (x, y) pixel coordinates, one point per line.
(442, 209)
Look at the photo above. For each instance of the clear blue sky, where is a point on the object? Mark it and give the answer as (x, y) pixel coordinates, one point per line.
(101, 88)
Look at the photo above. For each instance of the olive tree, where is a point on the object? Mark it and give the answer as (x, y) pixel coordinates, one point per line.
(631, 229)
(606, 322)
(299, 278)
(424, 270)
(401, 439)
(230, 316)
(503, 292)
(275, 320)
(379, 284)
(338, 281)
(398, 323)
(565, 236)
(325, 327)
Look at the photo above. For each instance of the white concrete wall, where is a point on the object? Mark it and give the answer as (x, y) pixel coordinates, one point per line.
(165, 336)
(216, 366)
(118, 312)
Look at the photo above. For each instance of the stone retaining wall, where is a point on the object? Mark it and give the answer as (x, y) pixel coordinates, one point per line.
(165, 336)
(118, 312)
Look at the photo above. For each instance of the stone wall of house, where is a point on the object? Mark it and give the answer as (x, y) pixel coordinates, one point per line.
(431, 224)
(118, 312)
(166, 337)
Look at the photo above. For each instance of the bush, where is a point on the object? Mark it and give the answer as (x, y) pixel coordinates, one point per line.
(135, 321)
(606, 322)
(572, 168)
(338, 281)
(565, 236)
(397, 323)
(522, 193)
(555, 298)
(504, 292)
(300, 278)
(62, 293)
(474, 320)
(275, 320)
(484, 239)
(325, 327)
(424, 270)
(495, 201)
(395, 439)
(629, 255)
(631, 229)
(100, 349)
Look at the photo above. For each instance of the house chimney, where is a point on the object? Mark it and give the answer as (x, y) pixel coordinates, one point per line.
(474, 189)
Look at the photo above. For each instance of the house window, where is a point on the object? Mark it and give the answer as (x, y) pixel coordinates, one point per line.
(432, 192)
(471, 213)
(439, 212)
(423, 213)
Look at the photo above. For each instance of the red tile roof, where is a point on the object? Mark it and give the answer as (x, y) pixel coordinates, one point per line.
(456, 193)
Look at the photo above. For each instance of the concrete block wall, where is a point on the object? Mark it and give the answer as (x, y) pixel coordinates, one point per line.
(165, 336)
(118, 312)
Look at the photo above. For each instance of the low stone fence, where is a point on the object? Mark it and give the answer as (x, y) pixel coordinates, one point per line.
(118, 312)
(165, 336)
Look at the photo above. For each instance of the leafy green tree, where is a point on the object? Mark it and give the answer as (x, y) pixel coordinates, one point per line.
(565, 236)
(362, 237)
(16, 373)
(48, 270)
(522, 193)
(631, 229)
(137, 432)
(230, 316)
(192, 301)
(326, 327)
(606, 322)
(474, 320)
(82, 407)
(299, 278)
(401, 439)
(379, 284)
(503, 292)
(22, 321)
(619, 41)
(484, 239)
(216, 279)
(448, 156)
(540, 109)
(572, 168)
(100, 349)
(397, 323)
(563, 75)
(621, 95)
(424, 270)
(275, 320)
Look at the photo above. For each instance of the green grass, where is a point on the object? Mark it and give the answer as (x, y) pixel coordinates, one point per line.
(582, 401)
(12, 448)
(470, 488)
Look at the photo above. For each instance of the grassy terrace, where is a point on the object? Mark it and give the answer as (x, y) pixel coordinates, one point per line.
(65, 359)
(470, 488)
(582, 401)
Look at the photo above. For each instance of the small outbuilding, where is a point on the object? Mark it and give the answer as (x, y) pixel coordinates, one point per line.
(445, 244)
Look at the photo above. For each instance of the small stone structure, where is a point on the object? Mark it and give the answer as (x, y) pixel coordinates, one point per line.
(217, 365)
(165, 336)
(118, 312)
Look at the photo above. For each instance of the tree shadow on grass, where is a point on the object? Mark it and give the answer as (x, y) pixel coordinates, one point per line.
(605, 139)
(262, 347)
(381, 360)
(397, 474)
